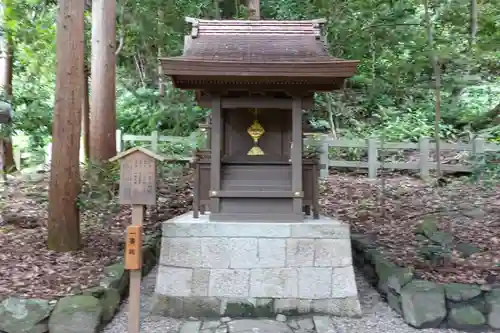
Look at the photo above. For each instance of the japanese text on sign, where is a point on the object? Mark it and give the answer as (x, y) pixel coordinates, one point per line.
(133, 260)
(138, 180)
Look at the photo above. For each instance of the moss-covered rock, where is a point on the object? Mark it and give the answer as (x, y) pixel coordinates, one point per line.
(96, 292)
(394, 302)
(148, 259)
(467, 249)
(116, 277)
(384, 269)
(466, 318)
(459, 292)
(24, 315)
(400, 278)
(442, 238)
(423, 304)
(76, 314)
(427, 227)
(110, 302)
(493, 304)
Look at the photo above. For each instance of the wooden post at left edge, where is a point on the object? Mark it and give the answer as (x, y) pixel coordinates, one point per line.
(134, 264)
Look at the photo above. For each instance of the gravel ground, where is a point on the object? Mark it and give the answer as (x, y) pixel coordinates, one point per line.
(377, 318)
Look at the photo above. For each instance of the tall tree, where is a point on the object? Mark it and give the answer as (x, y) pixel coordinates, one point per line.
(6, 63)
(437, 88)
(103, 74)
(64, 217)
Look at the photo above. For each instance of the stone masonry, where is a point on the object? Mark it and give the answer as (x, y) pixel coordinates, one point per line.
(255, 269)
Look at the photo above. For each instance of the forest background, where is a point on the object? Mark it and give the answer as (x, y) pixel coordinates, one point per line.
(392, 95)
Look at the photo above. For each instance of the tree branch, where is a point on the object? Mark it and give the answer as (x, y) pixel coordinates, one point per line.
(121, 40)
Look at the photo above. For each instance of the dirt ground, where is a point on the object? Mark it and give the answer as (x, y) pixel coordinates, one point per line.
(470, 213)
(30, 270)
(391, 215)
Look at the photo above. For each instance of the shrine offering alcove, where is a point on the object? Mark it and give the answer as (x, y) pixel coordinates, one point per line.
(256, 187)
(255, 248)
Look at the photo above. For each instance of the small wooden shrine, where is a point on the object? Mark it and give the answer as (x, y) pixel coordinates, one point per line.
(258, 77)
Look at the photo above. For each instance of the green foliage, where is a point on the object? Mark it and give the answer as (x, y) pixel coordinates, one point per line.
(143, 111)
(99, 187)
(486, 169)
(391, 95)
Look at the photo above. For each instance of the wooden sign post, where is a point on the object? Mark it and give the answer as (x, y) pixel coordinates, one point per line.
(137, 188)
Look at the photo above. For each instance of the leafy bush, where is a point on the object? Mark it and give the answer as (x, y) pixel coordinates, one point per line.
(143, 111)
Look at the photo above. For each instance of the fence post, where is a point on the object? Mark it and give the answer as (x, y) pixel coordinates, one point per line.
(48, 153)
(424, 149)
(323, 157)
(372, 158)
(119, 141)
(17, 158)
(478, 150)
(154, 141)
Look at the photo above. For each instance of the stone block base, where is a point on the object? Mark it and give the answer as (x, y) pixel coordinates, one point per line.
(255, 269)
(208, 307)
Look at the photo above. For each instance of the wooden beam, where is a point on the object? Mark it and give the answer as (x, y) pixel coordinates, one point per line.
(259, 102)
(216, 142)
(256, 194)
(296, 154)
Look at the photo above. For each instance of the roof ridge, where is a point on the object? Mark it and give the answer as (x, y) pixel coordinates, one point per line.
(189, 19)
(255, 27)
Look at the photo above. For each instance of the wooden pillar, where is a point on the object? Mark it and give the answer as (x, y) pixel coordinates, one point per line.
(209, 130)
(216, 141)
(296, 154)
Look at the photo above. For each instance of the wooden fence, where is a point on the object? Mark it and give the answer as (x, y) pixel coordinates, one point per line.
(373, 147)
(423, 148)
(154, 140)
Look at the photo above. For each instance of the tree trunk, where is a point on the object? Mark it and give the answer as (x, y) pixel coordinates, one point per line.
(64, 217)
(161, 84)
(217, 9)
(7, 60)
(86, 114)
(437, 77)
(103, 68)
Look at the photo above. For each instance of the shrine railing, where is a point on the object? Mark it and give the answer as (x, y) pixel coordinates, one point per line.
(376, 154)
(155, 140)
(412, 156)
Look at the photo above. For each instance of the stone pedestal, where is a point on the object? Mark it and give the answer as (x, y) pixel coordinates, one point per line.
(255, 269)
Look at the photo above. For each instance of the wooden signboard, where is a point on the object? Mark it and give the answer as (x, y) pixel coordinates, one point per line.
(138, 176)
(137, 188)
(133, 251)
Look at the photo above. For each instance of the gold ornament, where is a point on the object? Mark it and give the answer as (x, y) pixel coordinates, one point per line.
(255, 131)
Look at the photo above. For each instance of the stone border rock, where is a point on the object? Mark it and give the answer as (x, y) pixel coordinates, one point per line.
(425, 304)
(86, 312)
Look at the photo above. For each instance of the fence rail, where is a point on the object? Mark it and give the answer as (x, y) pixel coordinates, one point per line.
(154, 139)
(373, 146)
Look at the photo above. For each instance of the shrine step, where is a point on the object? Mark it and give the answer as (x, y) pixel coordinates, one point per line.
(209, 269)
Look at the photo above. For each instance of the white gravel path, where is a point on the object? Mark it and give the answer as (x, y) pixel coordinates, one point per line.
(377, 316)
